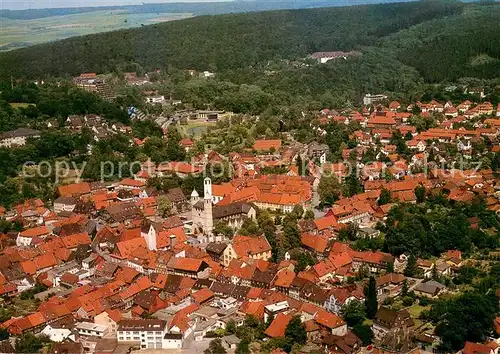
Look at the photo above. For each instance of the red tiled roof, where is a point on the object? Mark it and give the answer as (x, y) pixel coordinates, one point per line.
(186, 264)
(326, 222)
(130, 182)
(328, 319)
(317, 243)
(278, 326)
(255, 308)
(266, 144)
(248, 245)
(36, 231)
(476, 348)
(202, 295)
(284, 278)
(74, 189)
(76, 240)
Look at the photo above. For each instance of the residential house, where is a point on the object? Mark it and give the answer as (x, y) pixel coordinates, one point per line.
(387, 320)
(429, 289)
(256, 247)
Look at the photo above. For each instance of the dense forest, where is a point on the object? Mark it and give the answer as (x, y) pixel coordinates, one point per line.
(227, 42)
(449, 48)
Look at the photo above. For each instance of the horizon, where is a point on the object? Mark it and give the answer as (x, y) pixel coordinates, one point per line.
(58, 4)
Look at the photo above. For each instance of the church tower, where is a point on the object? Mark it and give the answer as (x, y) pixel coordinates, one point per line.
(195, 197)
(208, 221)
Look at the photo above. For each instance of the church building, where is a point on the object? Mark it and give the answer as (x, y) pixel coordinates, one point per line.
(205, 214)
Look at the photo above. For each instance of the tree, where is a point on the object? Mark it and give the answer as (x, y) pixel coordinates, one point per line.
(309, 215)
(295, 331)
(243, 347)
(350, 232)
(363, 332)
(434, 272)
(249, 228)
(291, 233)
(304, 259)
(215, 347)
(270, 320)
(164, 206)
(354, 313)
(29, 343)
(468, 317)
(420, 194)
(298, 211)
(300, 165)
(222, 228)
(404, 289)
(173, 150)
(4, 334)
(385, 197)
(231, 327)
(351, 185)
(329, 189)
(371, 302)
(411, 266)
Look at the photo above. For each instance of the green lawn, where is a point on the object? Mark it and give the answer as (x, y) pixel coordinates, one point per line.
(415, 310)
(368, 322)
(21, 105)
(198, 127)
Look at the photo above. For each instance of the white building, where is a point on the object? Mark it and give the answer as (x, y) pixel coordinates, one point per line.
(369, 99)
(17, 137)
(151, 334)
(57, 334)
(155, 99)
(91, 329)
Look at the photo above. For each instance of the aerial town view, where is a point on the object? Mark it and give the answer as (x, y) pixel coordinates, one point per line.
(250, 176)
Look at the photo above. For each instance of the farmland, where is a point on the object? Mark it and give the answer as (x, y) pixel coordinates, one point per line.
(22, 33)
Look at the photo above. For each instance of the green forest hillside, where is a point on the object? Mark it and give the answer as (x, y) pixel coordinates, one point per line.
(227, 41)
(467, 45)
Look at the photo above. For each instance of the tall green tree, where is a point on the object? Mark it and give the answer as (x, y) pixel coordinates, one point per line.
(371, 301)
(300, 165)
(420, 194)
(385, 197)
(411, 268)
(295, 332)
(354, 313)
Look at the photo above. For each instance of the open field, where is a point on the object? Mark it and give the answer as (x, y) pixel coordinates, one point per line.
(21, 33)
(21, 105)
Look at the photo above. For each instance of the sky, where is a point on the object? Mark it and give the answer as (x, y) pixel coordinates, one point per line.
(40, 4)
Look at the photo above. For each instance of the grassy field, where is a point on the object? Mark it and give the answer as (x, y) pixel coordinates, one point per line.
(22, 33)
(21, 105)
(195, 128)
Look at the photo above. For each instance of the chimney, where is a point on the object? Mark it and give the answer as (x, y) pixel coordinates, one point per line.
(173, 241)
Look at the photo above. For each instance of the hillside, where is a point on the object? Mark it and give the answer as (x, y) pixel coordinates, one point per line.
(225, 42)
(454, 47)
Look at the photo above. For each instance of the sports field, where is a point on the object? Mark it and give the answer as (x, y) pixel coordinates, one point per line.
(21, 33)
